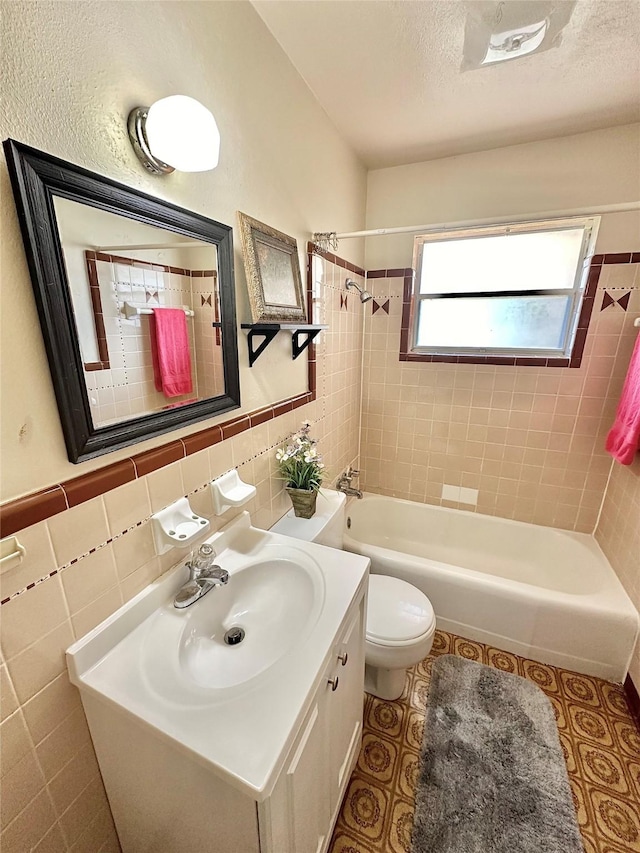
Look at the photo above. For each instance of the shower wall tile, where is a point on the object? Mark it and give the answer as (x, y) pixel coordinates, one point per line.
(530, 439)
(102, 554)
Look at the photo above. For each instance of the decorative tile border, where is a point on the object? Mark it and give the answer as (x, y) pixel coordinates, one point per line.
(38, 506)
(150, 265)
(312, 249)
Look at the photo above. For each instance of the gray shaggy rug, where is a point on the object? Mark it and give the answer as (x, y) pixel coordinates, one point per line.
(493, 777)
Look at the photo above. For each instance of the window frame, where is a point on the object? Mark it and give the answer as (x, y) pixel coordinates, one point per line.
(578, 315)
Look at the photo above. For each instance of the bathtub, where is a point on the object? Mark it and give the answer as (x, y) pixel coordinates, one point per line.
(542, 593)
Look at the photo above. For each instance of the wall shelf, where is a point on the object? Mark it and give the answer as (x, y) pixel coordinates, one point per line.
(302, 334)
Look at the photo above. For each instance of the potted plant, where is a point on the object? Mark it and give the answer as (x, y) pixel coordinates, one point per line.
(301, 468)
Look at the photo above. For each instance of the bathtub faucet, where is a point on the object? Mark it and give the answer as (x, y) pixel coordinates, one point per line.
(344, 483)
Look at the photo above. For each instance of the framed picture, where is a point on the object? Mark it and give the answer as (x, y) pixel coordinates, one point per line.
(273, 273)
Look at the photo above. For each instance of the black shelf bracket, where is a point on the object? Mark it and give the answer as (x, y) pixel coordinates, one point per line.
(296, 346)
(267, 336)
(268, 331)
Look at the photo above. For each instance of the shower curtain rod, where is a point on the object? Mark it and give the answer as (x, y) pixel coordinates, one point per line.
(472, 223)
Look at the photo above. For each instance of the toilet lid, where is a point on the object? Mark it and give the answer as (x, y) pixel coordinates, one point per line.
(396, 610)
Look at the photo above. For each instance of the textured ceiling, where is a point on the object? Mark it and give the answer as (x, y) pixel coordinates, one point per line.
(388, 74)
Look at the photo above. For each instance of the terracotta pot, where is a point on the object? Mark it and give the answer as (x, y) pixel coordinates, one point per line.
(304, 501)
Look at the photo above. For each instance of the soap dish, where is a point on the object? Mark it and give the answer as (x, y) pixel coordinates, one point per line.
(177, 526)
(229, 491)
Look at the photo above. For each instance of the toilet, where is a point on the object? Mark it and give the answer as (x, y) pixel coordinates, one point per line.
(400, 619)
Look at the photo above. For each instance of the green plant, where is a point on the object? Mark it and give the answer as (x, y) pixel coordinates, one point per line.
(299, 462)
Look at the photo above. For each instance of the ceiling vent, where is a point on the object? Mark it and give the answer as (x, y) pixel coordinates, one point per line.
(498, 31)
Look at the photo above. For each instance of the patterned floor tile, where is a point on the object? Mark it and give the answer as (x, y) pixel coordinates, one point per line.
(365, 808)
(401, 826)
(599, 739)
(542, 675)
(502, 660)
(378, 757)
(580, 688)
(468, 649)
(603, 767)
(617, 819)
(386, 718)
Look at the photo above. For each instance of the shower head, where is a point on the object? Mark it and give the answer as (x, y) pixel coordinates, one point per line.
(365, 296)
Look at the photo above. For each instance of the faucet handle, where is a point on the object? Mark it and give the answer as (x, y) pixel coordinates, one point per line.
(352, 472)
(203, 557)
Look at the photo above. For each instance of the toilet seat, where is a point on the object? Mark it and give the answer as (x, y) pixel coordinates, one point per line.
(398, 614)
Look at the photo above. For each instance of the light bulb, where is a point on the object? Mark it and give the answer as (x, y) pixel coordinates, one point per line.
(176, 132)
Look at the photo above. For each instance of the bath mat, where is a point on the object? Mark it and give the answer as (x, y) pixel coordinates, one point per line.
(492, 777)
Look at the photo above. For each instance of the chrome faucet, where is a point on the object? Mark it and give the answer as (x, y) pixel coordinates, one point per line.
(344, 483)
(203, 576)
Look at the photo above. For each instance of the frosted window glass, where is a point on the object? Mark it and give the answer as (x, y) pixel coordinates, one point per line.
(537, 261)
(523, 322)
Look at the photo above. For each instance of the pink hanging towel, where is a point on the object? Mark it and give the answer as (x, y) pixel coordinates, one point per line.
(623, 440)
(170, 351)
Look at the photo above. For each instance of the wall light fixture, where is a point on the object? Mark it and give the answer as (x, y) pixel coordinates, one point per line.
(177, 132)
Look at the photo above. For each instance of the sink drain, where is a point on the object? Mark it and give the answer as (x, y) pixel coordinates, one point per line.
(234, 636)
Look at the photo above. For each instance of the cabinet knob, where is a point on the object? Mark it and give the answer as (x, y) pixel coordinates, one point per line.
(334, 683)
(343, 658)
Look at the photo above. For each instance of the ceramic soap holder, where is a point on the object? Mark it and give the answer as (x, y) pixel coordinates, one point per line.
(229, 491)
(177, 526)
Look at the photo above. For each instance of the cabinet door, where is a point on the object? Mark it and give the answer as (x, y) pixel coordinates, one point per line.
(344, 706)
(296, 818)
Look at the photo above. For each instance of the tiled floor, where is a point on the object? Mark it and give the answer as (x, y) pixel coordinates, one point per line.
(599, 737)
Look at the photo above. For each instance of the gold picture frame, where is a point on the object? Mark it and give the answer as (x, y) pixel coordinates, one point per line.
(272, 267)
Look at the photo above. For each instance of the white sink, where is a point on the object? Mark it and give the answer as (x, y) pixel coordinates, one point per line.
(232, 706)
(275, 599)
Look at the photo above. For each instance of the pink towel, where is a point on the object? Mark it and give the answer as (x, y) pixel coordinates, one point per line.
(624, 437)
(170, 351)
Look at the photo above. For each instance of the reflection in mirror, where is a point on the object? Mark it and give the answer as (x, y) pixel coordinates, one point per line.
(139, 357)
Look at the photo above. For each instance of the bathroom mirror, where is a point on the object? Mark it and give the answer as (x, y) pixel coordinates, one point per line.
(136, 300)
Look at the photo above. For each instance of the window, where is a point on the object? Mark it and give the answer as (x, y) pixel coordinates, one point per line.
(511, 291)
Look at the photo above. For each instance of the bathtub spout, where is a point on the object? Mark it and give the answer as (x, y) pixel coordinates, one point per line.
(344, 484)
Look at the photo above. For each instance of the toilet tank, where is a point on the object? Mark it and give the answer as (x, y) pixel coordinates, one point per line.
(327, 525)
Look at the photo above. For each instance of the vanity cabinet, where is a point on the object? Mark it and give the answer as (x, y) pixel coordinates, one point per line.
(300, 814)
(168, 799)
(206, 747)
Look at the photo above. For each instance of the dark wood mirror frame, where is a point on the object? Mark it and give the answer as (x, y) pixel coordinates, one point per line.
(37, 178)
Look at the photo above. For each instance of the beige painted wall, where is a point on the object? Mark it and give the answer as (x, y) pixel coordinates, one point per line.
(601, 167)
(70, 78)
